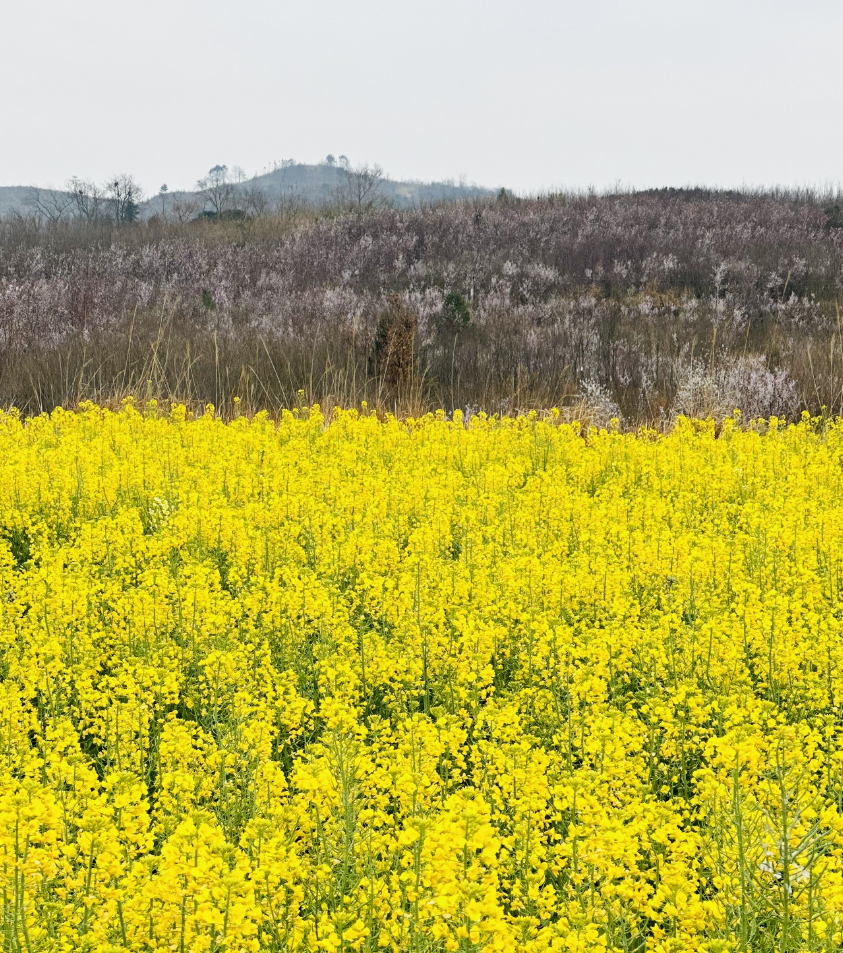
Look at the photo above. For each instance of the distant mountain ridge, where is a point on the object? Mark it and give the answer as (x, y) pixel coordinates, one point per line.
(297, 182)
(319, 183)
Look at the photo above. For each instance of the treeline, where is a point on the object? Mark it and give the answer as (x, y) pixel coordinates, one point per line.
(222, 194)
(639, 306)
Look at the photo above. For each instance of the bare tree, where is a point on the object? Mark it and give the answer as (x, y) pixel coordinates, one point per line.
(89, 199)
(290, 201)
(361, 191)
(256, 201)
(184, 209)
(216, 189)
(48, 203)
(125, 196)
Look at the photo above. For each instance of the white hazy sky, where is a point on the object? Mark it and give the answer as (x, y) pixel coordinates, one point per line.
(530, 94)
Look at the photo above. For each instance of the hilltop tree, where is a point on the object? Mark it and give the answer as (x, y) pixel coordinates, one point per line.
(125, 196)
(89, 199)
(216, 189)
(184, 209)
(361, 191)
(49, 204)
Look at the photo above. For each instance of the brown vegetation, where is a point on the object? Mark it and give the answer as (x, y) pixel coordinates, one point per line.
(637, 305)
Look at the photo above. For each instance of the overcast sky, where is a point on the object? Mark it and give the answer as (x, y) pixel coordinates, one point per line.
(530, 94)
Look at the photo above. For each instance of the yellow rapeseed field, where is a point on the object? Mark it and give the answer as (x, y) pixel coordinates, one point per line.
(422, 685)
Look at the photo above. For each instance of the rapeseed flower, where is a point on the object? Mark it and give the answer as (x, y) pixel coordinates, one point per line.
(365, 684)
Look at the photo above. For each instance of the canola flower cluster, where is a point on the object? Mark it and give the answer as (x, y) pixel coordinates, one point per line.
(428, 685)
